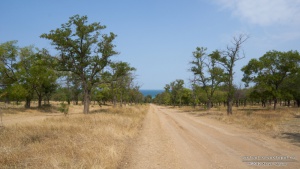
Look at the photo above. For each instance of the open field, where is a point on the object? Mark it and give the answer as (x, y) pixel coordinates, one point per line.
(45, 138)
(148, 137)
(284, 123)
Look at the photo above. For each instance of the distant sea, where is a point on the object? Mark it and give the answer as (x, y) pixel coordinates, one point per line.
(152, 93)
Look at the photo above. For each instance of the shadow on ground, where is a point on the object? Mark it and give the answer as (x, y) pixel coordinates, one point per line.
(99, 111)
(293, 137)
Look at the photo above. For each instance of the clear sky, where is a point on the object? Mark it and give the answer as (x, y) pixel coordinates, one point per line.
(158, 36)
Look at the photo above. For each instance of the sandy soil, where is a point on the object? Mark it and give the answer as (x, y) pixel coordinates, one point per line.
(170, 139)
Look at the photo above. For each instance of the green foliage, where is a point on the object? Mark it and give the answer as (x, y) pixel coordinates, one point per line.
(186, 96)
(64, 108)
(26, 71)
(121, 82)
(8, 63)
(207, 74)
(176, 88)
(35, 73)
(84, 51)
(148, 99)
(17, 92)
(163, 98)
(291, 88)
(270, 72)
(102, 94)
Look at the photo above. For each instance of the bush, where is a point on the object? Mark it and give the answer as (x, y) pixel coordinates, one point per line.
(64, 108)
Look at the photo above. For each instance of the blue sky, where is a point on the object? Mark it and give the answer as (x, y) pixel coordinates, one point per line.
(158, 36)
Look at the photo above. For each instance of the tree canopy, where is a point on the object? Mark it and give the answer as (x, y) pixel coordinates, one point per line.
(271, 70)
(84, 50)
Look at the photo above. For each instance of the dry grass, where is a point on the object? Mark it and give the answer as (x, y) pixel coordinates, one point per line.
(262, 119)
(96, 140)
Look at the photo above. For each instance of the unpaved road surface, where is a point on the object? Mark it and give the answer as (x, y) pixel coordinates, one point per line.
(171, 139)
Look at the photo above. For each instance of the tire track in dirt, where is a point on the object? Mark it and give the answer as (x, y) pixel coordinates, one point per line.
(152, 148)
(171, 139)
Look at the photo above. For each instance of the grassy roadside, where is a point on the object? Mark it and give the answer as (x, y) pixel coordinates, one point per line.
(283, 123)
(96, 140)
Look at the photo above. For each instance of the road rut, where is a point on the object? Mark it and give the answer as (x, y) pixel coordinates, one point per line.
(172, 139)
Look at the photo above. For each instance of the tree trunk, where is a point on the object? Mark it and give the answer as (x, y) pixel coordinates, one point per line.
(275, 103)
(263, 103)
(121, 99)
(86, 101)
(40, 99)
(230, 96)
(115, 100)
(7, 101)
(180, 102)
(229, 107)
(280, 102)
(27, 104)
(208, 104)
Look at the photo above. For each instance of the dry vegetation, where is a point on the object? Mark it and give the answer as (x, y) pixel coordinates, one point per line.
(96, 140)
(283, 123)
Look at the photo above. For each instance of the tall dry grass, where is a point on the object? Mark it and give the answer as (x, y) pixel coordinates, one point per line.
(253, 117)
(96, 140)
(260, 119)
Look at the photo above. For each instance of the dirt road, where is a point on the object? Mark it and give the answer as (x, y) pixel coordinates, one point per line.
(171, 139)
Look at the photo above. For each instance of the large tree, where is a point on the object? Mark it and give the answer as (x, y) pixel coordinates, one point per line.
(206, 72)
(271, 71)
(228, 59)
(26, 71)
(35, 74)
(83, 51)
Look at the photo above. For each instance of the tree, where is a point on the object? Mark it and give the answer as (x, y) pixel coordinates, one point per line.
(230, 56)
(208, 75)
(72, 88)
(26, 71)
(294, 87)
(240, 96)
(35, 74)
(177, 91)
(8, 65)
(102, 94)
(148, 99)
(186, 96)
(165, 97)
(43, 75)
(135, 96)
(271, 70)
(82, 51)
(121, 80)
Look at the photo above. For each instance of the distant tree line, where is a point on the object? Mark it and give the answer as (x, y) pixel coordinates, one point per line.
(83, 70)
(273, 78)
